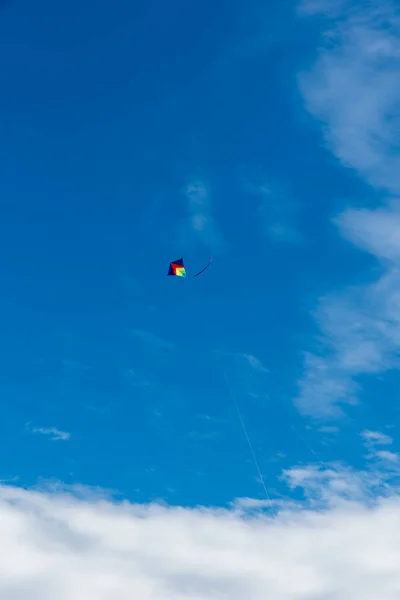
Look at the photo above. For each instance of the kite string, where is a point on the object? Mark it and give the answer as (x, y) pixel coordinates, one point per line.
(251, 448)
(204, 269)
(310, 449)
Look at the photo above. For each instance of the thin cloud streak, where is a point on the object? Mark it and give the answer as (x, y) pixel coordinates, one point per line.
(247, 359)
(52, 432)
(254, 362)
(152, 340)
(277, 212)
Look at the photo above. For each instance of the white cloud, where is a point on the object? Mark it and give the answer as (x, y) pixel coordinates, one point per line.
(54, 433)
(360, 334)
(387, 455)
(376, 437)
(323, 387)
(201, 221)
(65, 544)
(327, 485)
(374, 440)
(353, 89)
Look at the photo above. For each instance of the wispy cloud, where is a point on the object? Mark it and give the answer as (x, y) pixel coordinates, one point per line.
(249, 361)
(333, 483)
(152, 340)
(353, 89)
(277, 212)
(137, 380)
(376, 438)
(352, 343)
(331, 8)
(386, 455)
(9, 480)
(200, 220)
(52, 432)
(254, 362)
(212, 419)
(329, 429)
(245, 373)
(74, 366)
(376, 232)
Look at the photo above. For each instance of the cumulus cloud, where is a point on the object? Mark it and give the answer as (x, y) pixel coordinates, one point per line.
(72, 544)
(353, 90)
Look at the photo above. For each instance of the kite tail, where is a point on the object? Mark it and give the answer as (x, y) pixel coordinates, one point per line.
(205, 268)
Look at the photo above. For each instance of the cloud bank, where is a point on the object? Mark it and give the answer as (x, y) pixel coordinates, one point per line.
(71, 544)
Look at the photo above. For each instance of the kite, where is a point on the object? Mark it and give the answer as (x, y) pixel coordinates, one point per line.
(177, 268)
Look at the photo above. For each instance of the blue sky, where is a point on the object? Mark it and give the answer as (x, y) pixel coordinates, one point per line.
(264, 134)
(135, 135)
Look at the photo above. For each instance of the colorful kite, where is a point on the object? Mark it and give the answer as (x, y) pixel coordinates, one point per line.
(177, 268)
